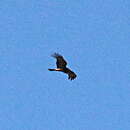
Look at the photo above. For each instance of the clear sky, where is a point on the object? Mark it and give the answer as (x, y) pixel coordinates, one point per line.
(93, 36)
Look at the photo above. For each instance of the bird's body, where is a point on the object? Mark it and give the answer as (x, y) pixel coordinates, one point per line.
(61, 66)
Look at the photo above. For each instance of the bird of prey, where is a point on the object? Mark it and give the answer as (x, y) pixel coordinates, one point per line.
(61, 66)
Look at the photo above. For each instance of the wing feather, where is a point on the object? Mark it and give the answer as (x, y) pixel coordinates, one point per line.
(71, 74)
(61, 63)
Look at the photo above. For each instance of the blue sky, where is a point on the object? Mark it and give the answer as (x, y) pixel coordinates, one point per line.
(93, 36)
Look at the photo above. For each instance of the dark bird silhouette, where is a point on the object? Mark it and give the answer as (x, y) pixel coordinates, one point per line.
(61, 66)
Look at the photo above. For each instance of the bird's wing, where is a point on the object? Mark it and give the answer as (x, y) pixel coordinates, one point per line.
(71, 74)
(61, 63)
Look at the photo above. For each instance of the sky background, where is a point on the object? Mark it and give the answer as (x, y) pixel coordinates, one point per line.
(93, 36)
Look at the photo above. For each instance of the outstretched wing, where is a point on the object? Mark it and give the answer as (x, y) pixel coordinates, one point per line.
(61, 63)
(71, 74)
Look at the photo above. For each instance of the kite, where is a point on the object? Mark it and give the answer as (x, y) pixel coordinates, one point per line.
(61, 66)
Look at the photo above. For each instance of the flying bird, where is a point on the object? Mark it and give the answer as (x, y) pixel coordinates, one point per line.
(61, 66)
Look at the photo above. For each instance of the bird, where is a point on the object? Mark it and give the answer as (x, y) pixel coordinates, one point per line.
(61, 66)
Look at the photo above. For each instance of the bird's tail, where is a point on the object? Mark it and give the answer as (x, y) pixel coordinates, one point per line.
(51, 69)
